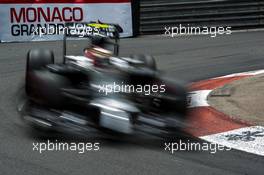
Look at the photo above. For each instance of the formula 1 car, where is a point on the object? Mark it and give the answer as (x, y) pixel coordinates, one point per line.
(119, 94)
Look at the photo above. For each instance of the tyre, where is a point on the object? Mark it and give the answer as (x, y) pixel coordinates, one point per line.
(36, 59)
(43, 86)
(174, 99)
(147, 60)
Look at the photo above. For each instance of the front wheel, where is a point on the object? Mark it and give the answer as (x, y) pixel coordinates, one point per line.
(36, 60)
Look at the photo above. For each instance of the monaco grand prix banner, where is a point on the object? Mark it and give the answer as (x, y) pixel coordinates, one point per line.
(19, 19)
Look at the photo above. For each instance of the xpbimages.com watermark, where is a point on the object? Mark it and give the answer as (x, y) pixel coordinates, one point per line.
(212, 148)
(114, 87)
(79, 147)
(78, 29)
(174, 31)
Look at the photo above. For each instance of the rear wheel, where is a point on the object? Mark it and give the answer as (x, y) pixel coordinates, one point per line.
(174, 99)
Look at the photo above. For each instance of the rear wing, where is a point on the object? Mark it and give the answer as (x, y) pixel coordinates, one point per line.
(90, 29)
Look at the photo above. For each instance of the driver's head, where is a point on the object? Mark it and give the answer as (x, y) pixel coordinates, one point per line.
(98, 51)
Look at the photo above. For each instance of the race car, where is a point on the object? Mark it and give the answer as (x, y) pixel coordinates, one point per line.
(101, 91)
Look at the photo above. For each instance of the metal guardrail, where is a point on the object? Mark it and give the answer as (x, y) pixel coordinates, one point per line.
(155, 15)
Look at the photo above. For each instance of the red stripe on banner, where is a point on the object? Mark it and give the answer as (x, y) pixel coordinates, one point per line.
(204, 121)
(214, 83)
(60, 1)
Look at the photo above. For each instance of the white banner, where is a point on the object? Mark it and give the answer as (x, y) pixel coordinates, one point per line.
(19, 21)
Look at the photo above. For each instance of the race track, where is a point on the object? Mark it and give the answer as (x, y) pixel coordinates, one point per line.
(187, 58)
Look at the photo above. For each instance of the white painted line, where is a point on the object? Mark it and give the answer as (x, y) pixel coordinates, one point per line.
(198, 98)
(248, 139)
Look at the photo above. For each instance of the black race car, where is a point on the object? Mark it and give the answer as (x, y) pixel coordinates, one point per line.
(106, 93)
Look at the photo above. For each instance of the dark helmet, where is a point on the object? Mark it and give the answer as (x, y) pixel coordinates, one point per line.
(98, 48)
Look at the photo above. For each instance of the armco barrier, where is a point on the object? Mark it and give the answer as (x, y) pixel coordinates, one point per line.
(239, 14)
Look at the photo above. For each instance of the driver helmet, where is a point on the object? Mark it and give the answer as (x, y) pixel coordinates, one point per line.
(98, 52)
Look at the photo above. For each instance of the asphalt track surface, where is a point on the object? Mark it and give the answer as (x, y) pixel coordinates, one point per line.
(186, 58)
